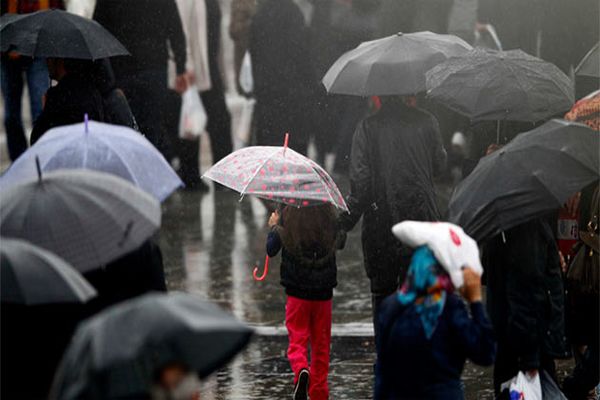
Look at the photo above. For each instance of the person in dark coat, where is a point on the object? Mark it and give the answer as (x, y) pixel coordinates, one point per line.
(284, 83)
(308, 239)
(395, 155)
(525, 300)
(74, 96)
(147, 29)
(426, 334)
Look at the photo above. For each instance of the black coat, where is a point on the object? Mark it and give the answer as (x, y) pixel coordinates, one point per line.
(283, 79)
(145, 28)
(395, 155)
(525, 293)
(66, 103)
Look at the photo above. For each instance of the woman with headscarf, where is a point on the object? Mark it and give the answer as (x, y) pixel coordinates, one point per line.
(426, 333)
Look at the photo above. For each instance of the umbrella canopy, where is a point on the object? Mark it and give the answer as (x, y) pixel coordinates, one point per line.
(117, 353)
(394, 65)
(114, 149)
(587, 111)
(31, 275)
(532, 175)
(87, 218)
(279, 174)
(57, 33)
(501, 85)
(590, 64)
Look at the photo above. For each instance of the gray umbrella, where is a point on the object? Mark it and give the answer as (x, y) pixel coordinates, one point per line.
(31, 275)
(87, 218)
(531, 176)
(501, 85)
(590, 64)
(394, 65)
(117, 353)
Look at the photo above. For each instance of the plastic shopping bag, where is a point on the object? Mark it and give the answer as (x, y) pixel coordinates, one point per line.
(246, 79)
(550, 389)
(192, 121)
(524, 387)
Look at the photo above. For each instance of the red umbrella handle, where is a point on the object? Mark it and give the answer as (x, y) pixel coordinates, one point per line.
(264, 274)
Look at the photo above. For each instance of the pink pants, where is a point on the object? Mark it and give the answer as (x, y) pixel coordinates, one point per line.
(309, 321)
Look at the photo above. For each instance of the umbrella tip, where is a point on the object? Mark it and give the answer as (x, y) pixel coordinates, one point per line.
(286, 141)
(85, 121)
(39, 168)
(399, 34)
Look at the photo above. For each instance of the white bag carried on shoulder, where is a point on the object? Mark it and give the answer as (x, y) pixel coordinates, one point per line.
(193, 118)
(524, 387)
(246, 78)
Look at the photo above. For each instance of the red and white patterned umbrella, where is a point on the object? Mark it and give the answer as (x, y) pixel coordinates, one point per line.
(279, 174)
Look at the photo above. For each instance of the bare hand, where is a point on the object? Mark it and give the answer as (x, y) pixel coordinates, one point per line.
(479, 27)
(532, 373)
(13, 55)
(471, 289)
(563, 263)
(274, 219)
(191, 77)
(181, 83)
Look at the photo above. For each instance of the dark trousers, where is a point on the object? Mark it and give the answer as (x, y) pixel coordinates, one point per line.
(36, 73)
(585, 376)
(218, 125)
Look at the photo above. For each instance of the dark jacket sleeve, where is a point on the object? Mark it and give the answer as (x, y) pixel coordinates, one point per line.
(361, 180)
(176, 35)
(439, 152)
(474, 334)
(273, 243)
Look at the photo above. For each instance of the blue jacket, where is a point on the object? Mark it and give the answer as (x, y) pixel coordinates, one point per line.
(411, 367)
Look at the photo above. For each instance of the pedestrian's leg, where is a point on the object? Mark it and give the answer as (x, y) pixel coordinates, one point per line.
(297, 322)
(12, 90)
(506, 365)
(38, 83)
(219, 123)
(320, 342)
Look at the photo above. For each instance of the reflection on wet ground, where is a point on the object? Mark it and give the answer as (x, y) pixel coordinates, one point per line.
(210, 244)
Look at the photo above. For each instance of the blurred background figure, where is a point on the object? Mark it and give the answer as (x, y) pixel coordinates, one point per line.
(284, 84)
(14, 68)
(202, 26)
(147, 29)
(242, 12)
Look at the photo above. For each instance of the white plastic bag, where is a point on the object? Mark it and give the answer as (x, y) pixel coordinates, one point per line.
(452, 247)
(524, 387)
(192, 120)
(246, 79)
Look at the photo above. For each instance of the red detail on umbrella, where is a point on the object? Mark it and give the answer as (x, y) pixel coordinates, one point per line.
(264, 274)
(292, 201)
(285, 142)
(305, 203)
(455, 238)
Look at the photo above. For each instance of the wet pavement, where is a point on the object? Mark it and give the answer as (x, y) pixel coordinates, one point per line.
(210, 243)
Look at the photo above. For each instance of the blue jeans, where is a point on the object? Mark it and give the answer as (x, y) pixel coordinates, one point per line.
(38, 82)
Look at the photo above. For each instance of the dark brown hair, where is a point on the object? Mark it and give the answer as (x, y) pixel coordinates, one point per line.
(306, 226)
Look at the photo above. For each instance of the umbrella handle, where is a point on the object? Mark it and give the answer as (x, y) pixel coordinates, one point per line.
(264, 274)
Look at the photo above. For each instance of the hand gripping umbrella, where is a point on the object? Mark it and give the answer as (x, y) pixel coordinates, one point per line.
(277, 174)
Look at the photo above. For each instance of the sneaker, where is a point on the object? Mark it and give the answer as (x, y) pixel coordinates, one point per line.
(301, 388)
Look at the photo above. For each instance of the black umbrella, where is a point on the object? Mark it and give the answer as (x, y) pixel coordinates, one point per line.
(31, 275)
(510, 85)
(394, 65)
(532, 175)
(88, 218)
(116, 353)
(57, 33)
(590, 64)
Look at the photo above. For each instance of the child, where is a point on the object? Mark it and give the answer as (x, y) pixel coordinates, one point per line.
(308, 238)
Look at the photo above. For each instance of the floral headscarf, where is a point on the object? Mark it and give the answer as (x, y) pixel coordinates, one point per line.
(426, 286)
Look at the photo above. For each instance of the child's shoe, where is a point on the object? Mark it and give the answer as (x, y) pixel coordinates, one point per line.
(301, 389)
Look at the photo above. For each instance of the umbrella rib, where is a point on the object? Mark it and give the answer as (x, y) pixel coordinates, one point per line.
(258, 169)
